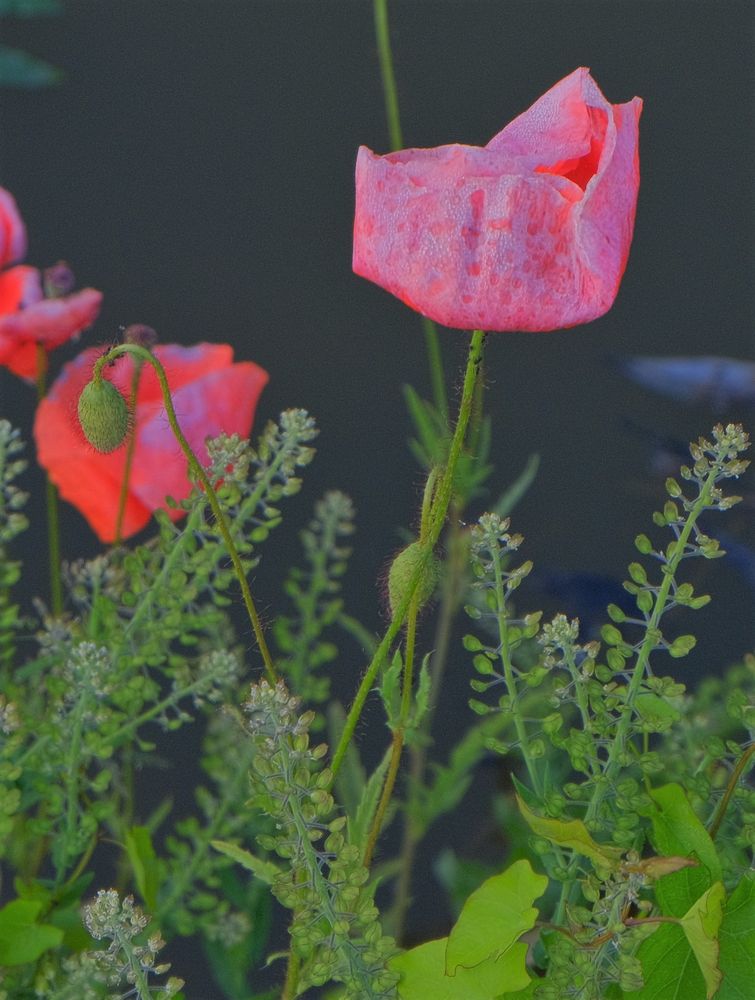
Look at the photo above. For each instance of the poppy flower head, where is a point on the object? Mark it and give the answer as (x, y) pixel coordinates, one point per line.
(211, 395)
(531, 232)
(34, 308)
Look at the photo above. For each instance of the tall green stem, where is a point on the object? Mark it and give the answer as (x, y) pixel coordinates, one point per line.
(51, 494)
(390, 99)
(437, 516)
(198, 473)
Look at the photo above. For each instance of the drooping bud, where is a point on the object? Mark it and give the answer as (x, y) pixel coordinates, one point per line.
(402, 571)
(141, 335)
(103, 415)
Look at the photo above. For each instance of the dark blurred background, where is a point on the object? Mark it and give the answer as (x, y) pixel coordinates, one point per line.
(196, 165)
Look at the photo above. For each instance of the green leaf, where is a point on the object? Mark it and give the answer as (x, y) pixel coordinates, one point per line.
(19, 69)
(422, 974)
(494, 917)
(678, 831)
(351, 778)
(514, 493)
(360, 823)
(701, 924)
(668, 967)
(737, 942)
(570, 833)
(144, 862)
(266, 871)
(22, 939)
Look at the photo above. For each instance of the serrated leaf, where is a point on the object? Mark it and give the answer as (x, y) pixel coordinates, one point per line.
(494, 917)
(144, 863)
(22, 939)
(570, 833)
(265, 871)
(737, 942)
(678, 831)
(360, 823)
(422, 974)
(701, 924)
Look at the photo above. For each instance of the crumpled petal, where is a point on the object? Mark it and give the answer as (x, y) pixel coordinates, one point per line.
(28, 319)
(12, 230)
(211, 395)
(531, 232)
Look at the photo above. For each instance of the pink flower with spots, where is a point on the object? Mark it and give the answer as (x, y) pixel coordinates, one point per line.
(29, 317)
(531, 232)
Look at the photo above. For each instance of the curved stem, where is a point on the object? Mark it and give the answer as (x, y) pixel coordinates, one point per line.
(130, 448)
(436, 519)
(199, 473)
(53, 525)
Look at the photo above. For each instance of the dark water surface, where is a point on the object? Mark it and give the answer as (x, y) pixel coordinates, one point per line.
(197, 166)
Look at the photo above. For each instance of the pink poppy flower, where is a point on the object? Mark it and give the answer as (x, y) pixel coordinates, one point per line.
(531, 232)
(27, 317)
(211, 395)
(12, 230)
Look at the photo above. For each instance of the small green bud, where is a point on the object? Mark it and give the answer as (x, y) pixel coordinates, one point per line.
(103, 415)
(403, 569)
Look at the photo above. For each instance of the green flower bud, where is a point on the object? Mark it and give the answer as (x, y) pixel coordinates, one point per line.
(103, 415)
(401, 572)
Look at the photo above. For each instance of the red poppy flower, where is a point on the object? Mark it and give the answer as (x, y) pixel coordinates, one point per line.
(531, 232)
(211, 395)
(27, 318)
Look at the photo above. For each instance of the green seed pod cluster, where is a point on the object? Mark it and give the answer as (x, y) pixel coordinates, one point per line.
(402, 571)
(103, 415)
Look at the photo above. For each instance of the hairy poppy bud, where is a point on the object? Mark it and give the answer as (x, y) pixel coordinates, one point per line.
(401, 572)
(103, 415)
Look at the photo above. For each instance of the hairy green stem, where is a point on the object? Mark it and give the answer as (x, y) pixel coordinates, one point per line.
(199, 473)
(51, 495)
(436, 519)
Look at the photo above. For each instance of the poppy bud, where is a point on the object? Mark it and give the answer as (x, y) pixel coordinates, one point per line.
(141, 335)
(103, 415)
(401, 572)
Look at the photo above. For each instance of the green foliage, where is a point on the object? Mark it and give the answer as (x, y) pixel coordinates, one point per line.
(483, 956)
(335, 930)
(315, 594)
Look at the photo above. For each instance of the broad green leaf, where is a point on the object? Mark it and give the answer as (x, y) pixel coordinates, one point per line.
(494, 917)
(527, 993)
(737, 942)
(656, 710)
(144, 862)
(266, 871)
(668, 967)
(423, 978)
(570, 833)
(678, 831)
(701, 924)
(22, 939)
